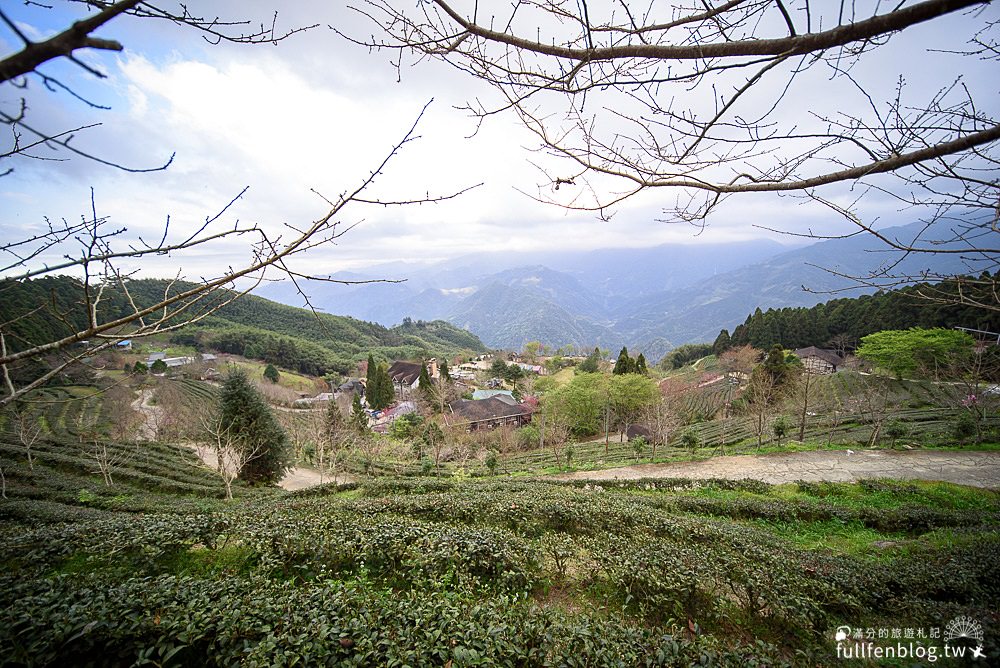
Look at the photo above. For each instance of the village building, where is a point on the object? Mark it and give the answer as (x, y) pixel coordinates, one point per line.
(506, 396)
(819, 361)
(406, 375)
(489, 413)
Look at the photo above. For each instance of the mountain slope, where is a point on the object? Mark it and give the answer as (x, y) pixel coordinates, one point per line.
(293, 337)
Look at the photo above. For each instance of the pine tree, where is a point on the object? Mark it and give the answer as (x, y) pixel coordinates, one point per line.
(371, 382)
(640, 365)
(776, 364)
(383, 393)
(359, 419)
(623, 363)
(445, 376)
(722, 343)
(424, 383)
(334, 420)
(249, 424)
(271, 373)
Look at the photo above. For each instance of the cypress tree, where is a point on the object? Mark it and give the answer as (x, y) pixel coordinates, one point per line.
(359, 419)
(371, 382)
(640, 365)
(722, 343)
(623, 363)
(246, 418)
(424, 383)
(383, 394)
(271, 373)
(444, 371)
(334, 419)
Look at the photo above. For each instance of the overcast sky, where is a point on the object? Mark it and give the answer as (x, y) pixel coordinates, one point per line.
(316, 112)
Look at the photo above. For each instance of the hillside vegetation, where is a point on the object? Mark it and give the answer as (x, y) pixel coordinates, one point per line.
(294, 338)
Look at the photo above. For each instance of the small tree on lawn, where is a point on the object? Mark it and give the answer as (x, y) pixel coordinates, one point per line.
(246, 423)
(690, 440)
(780, 428)
(141, 368)
(159, 366)
(271, 373)
(895, 430)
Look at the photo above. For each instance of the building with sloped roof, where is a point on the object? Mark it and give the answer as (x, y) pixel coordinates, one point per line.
(819, 361)
(487, 414)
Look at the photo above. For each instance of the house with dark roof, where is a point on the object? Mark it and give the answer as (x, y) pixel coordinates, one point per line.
(819, 361)
(487, 414)
(405, 376)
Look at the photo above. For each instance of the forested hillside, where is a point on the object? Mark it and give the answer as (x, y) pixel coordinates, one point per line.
(258, 328)
(852, 318)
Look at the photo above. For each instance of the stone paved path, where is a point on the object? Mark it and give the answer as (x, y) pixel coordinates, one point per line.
(978, 469)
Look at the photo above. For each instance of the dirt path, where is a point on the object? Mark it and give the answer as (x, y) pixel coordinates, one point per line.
(978, 469)
(149, 413)
(303, 478)
(299, 477)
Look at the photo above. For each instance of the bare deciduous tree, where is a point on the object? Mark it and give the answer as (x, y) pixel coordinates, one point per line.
(230, 453)
(662, 418)
(94, 249)
(28, 428)
(706, 100)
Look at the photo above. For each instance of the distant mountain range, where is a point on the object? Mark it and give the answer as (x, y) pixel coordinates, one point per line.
(650, 299)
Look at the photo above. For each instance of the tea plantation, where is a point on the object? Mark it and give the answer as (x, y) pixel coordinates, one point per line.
(159, 570)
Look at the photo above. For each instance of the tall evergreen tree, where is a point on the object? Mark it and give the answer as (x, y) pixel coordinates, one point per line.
(443, 370)
(722, 343)
(359, 419)
(383, 394)
(251, 427)
(776, 364)
(271, 373)
(623, 363)
(333, 420)
(371, 383)
(424, 382)
(640, 365)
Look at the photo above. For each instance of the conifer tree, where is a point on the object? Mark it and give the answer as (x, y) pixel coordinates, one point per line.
(623, 363)
(383, 394)
(424, 383)
(271, 373)
(251, 427)
(722, 343)
(371, 382)
(640, 365)
(445, 376)
(333, 420)
(359, 419)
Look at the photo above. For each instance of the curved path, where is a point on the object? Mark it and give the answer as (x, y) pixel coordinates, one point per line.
(978, 469)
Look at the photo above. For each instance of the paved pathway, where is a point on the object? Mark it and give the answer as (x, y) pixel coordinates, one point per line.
(978, 469)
